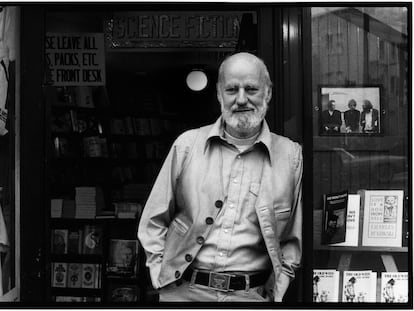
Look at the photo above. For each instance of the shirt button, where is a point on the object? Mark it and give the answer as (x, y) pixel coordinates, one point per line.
(200, 240)
(238, 157)
(188, 258)
(231, 205)
(177, 274)
(219, 204)
(226, 230)
(221, 254)
(209, 220)
(235, 181)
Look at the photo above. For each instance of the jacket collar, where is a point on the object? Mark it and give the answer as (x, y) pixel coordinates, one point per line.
(264, 138)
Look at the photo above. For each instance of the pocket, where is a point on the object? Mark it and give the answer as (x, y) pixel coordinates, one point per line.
(179, 226)
(252, 194)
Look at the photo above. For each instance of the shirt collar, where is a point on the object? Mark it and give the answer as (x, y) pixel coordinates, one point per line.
(217, 132)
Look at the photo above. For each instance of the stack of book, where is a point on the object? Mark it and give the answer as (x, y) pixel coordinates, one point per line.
(85, 202)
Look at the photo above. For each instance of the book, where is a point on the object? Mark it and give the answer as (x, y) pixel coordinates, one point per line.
(394, 287)
(59, 274)
(56, 206)
(74, 275)
(382, 214)
(127, 209)
(123, 293)
(334, 217)
(359, 286)
(88, 275)
(352, 222)
(68, 299)
(97, 280)
(59, 241)
(75, 241)
(325, 285)
(92, 241)
(123, 257)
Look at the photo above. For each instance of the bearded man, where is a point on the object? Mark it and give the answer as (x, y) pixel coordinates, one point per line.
(224, 219)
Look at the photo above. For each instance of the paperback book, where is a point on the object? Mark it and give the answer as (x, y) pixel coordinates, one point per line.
(75, 275)
(394, 287)
(88, 275)
(123, 255)
(92, 241)
(59, 241)
(352, 222)
(383, 214)
(359, 286)
(334, 217)
(59, 274)
(325, 285)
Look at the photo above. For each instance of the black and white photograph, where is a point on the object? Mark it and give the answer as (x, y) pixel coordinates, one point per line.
(206, 154)
(350, 110)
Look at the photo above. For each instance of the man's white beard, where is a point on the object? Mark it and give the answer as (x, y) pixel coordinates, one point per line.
(244, 122)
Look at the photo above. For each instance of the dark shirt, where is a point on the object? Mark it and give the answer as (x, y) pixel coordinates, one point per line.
(331, 121)
(351, 118)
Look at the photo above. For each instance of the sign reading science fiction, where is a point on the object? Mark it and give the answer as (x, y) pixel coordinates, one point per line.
(174, 29)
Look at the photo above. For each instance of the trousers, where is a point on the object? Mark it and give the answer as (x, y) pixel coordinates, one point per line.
(194, 292)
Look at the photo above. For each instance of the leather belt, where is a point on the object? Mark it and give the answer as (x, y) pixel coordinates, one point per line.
(225, 281)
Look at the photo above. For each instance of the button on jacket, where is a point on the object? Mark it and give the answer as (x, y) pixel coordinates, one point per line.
(181, 208)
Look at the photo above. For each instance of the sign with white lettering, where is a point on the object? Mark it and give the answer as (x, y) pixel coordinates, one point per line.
(174, 29)
(75, 59)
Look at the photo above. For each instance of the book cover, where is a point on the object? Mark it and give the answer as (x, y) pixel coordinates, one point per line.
(75, 241)
(123, 293)
(59, 274)
(325, 285)
(123, 257)
(56, 206)
(334, 217)
(92, 240)
(59, 241)
(88, 275)
(383, 211)
(359, 286)
(394, 287)
(74, 275)
(352, 222)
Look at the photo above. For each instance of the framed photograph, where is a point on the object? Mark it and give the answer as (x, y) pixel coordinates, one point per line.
(354, 110)
(123, 257)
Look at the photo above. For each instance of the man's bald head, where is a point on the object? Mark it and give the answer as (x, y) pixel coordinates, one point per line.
(242, 57)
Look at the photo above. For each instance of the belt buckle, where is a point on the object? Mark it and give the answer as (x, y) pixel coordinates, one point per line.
(219, 281)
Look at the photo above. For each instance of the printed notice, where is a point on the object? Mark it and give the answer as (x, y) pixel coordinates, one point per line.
(75, 59)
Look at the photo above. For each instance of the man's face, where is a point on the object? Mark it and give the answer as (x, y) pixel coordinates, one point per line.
(243, 95)
(331, 106)
(127, 256)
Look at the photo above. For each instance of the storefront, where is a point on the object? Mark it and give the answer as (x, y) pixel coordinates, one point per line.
(103, 90)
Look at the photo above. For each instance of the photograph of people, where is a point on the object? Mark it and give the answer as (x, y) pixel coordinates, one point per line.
(369, 118)
(351, 117)
(331, 119)
(205, 227)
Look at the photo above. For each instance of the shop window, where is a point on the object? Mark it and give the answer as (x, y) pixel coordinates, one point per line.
(360, 148)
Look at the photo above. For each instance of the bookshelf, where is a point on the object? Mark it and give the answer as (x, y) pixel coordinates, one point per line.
(101, 162)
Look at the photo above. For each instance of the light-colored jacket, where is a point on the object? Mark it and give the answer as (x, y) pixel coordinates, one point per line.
(174, 221)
